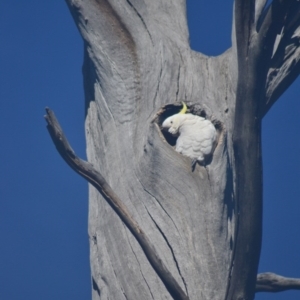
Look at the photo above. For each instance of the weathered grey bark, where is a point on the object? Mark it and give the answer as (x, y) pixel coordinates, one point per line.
(206, 224)
(95, 178)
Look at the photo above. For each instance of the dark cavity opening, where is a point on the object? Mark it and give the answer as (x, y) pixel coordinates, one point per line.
(165, 112)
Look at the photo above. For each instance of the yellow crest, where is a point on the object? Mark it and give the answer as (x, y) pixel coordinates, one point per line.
(184, 108)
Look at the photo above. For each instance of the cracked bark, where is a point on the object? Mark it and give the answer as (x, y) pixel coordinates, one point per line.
(172, 251)
(131, 73)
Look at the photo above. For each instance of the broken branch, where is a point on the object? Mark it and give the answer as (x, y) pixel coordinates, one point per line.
(270, 282)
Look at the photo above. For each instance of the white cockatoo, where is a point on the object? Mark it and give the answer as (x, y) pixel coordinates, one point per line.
(196, 135)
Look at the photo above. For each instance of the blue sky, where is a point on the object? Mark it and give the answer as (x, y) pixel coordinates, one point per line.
(44, 204)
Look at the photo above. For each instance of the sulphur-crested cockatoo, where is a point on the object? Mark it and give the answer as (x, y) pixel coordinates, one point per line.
(196, 135)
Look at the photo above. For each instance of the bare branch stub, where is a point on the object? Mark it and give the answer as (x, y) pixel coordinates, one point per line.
(279, 37)
(87, 171)
(270, 282)
(272, 25)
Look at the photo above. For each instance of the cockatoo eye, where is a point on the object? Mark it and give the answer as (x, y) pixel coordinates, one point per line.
(171, 122)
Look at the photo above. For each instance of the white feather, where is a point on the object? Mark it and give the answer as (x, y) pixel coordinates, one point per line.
(196, 135)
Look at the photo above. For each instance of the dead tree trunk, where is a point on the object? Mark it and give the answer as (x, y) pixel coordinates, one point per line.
(205, 224)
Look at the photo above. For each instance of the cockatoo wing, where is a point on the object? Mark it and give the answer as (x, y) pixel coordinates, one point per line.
(205, 137)
(197, 137)
(189, 146)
